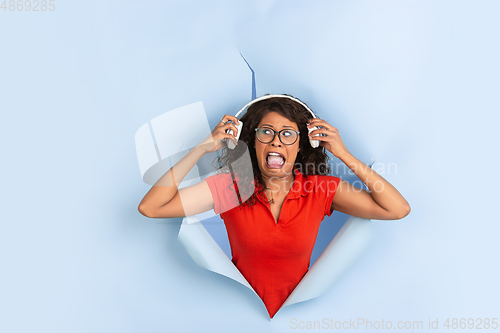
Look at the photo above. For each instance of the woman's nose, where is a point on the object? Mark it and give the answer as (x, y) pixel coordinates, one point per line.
(276, 141)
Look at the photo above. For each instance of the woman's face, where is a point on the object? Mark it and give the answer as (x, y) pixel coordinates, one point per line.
(271, 165)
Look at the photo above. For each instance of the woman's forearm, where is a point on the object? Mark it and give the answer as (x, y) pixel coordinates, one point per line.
(166, 187)
(386, 195)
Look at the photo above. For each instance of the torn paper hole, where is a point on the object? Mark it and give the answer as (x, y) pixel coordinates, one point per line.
(158, 148)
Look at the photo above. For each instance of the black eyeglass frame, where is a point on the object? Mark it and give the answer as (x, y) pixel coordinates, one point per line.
(279, 135)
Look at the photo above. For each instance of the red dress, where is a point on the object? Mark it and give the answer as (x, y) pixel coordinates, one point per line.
(273, 257)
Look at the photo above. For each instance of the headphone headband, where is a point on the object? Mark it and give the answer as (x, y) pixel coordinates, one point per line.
(272, 96)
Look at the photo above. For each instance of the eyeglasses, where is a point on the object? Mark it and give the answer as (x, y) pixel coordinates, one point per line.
(286, 136)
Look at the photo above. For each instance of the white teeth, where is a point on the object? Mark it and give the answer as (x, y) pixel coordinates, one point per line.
(276, 154)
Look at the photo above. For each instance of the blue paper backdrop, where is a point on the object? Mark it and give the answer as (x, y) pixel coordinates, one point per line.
(410, 83)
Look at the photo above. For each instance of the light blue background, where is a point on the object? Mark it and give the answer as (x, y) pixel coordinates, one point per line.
(414, 83)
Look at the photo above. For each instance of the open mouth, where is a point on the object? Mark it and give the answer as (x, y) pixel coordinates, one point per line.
(275, 160)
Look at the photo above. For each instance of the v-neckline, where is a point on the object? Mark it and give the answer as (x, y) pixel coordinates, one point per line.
(279, 213)
(281, 208)
(268, 203)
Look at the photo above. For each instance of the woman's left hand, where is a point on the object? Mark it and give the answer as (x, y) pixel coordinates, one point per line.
(332, 141)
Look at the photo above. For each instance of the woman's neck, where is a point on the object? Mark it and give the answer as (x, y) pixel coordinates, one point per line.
(278, 184)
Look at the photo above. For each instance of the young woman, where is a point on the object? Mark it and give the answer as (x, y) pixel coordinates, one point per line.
(272, 234)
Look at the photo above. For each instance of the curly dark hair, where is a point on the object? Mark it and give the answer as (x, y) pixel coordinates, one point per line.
(309, 161)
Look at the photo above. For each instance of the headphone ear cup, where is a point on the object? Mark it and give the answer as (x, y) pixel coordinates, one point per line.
(230, 143)
(314, 143)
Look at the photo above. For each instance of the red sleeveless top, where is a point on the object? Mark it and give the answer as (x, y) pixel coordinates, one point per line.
(273, 257)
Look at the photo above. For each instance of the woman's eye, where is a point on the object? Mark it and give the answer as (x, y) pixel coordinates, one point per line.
(287, 133)
(266, 131)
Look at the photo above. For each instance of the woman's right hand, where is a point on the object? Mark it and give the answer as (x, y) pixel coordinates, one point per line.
(214, 141)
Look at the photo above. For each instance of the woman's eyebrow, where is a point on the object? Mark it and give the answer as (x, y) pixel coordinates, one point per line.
(273, 126)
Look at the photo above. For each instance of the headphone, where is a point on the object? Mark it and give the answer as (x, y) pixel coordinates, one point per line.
(230, 143)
